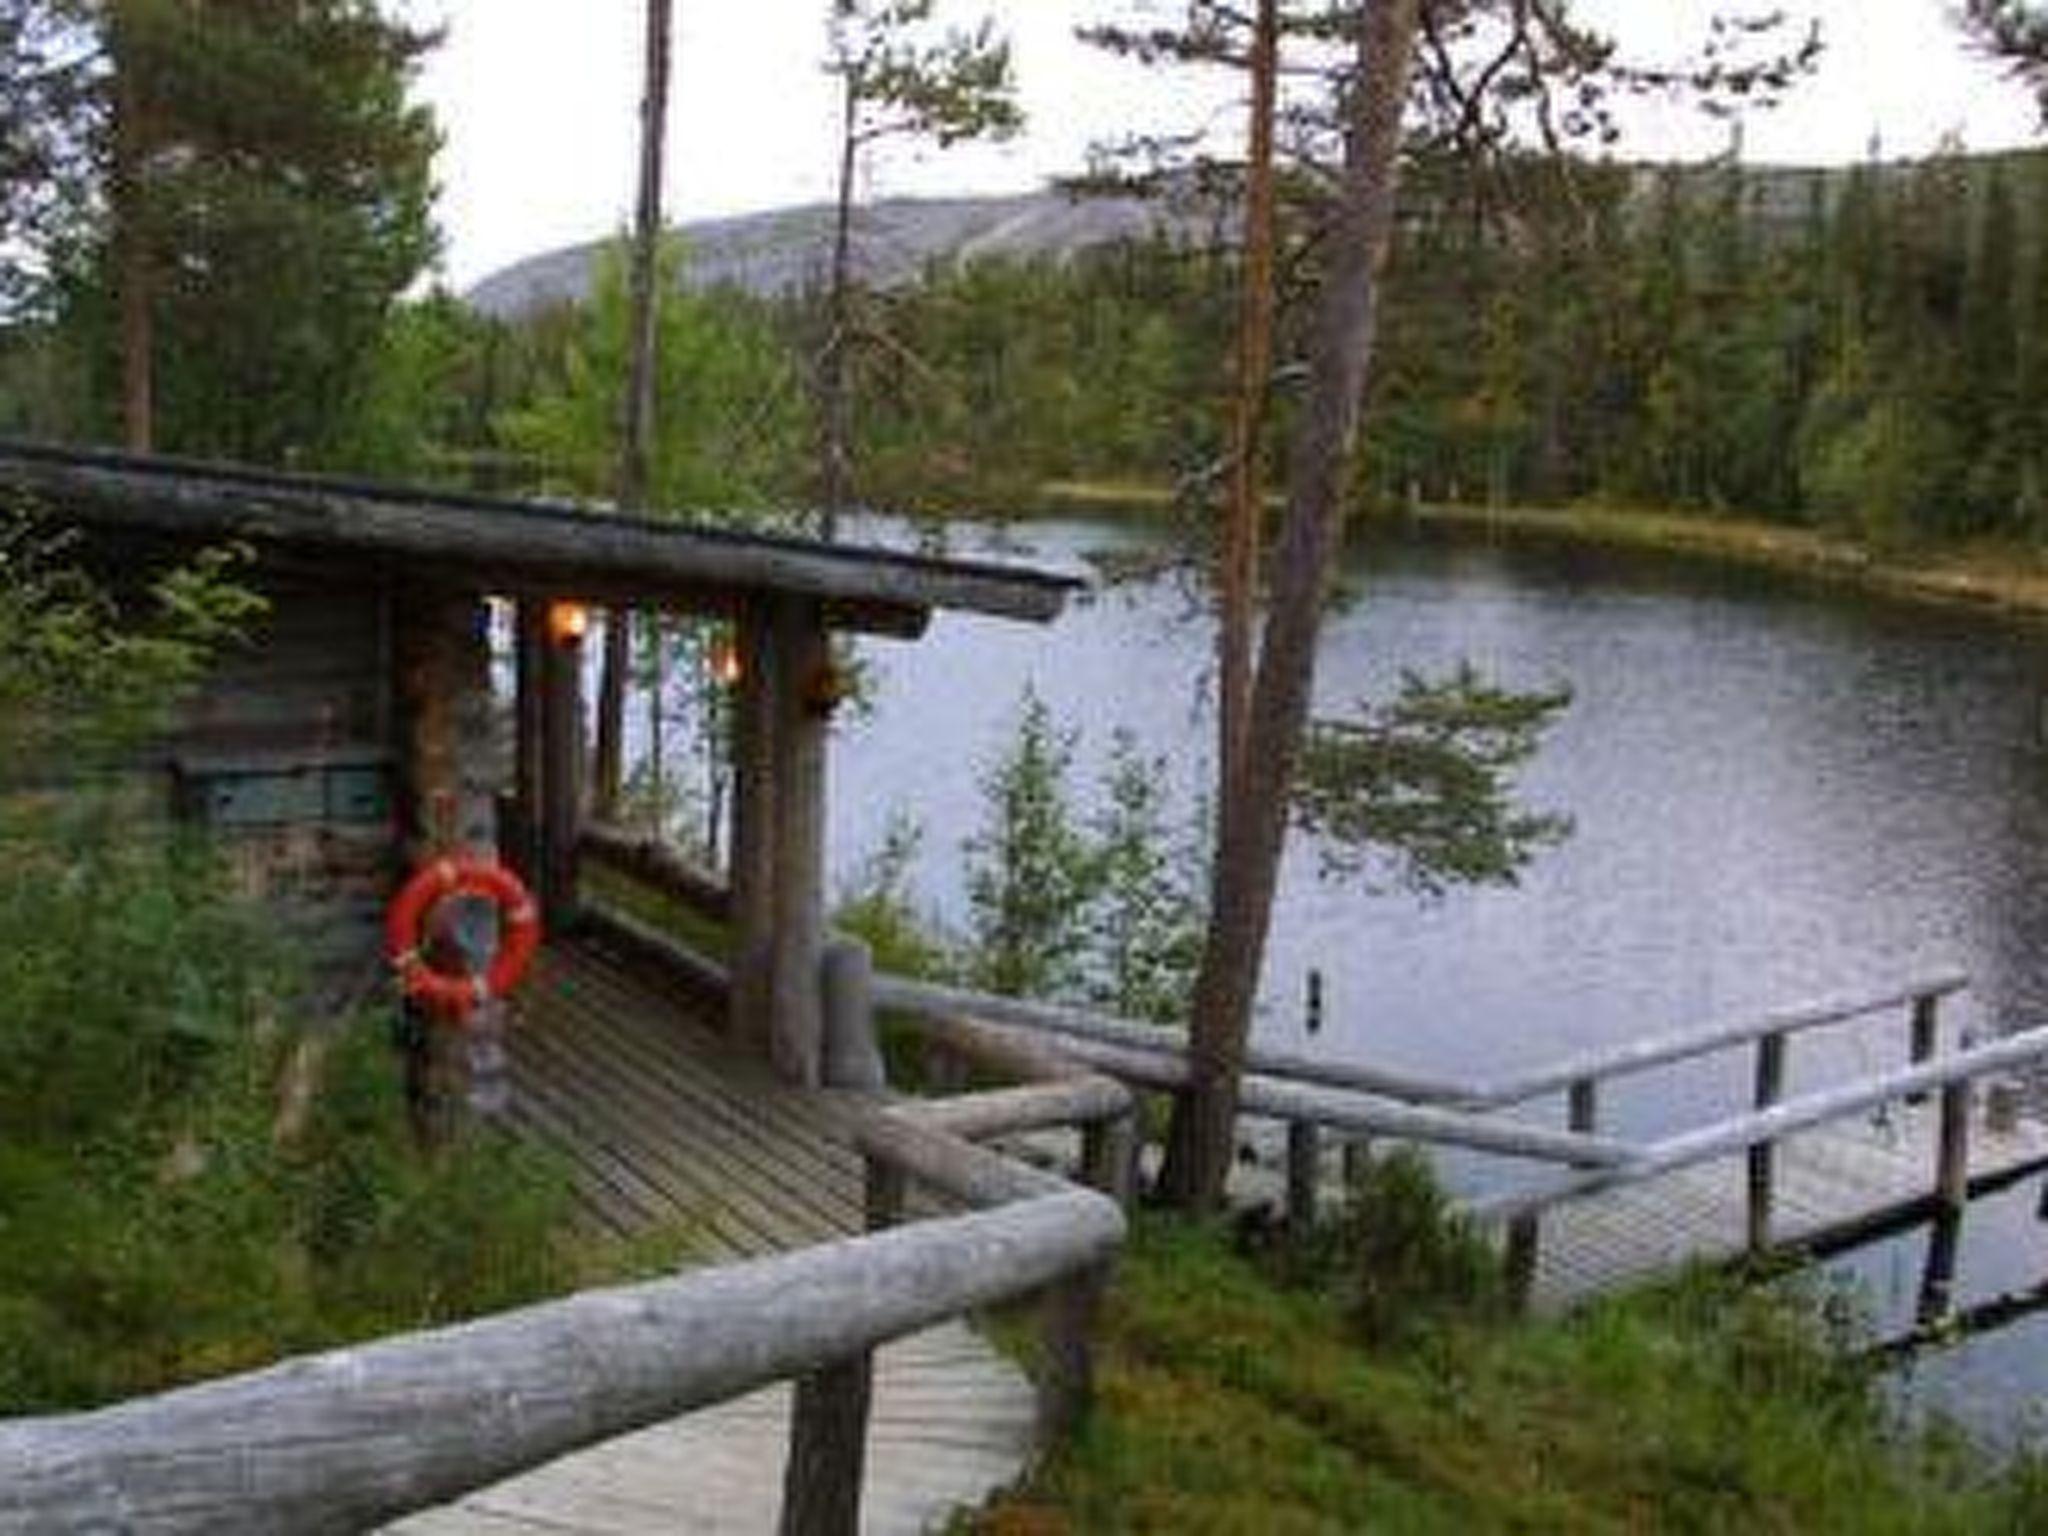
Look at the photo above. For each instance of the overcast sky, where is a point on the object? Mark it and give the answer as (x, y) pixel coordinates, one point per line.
(538, 101)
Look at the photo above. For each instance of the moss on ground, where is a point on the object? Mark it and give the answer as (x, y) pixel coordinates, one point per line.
(1229, 1403)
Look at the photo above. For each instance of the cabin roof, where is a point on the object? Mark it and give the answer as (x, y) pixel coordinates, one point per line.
(503, 545)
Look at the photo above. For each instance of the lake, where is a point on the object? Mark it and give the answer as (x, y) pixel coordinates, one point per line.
(1778, 790)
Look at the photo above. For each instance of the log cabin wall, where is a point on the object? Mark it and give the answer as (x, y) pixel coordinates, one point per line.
(287, 753)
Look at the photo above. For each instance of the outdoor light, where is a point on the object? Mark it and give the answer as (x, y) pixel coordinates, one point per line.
(724, 662)
(567, 622)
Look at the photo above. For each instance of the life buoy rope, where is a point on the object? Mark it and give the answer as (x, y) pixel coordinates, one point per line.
(405, 926)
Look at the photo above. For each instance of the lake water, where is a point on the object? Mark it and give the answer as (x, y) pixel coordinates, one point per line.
(1778, 791)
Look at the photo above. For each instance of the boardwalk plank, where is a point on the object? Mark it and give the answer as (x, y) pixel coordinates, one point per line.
(658, 1122)
(1828, 1180)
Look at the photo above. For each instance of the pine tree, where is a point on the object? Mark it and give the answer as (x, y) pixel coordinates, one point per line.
(265, 196)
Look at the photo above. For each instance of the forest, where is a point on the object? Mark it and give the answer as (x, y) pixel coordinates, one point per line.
(1860, 350)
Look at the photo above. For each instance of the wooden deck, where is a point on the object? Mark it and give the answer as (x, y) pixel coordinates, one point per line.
(664, 1128)
(1833, 1184)
(625, 1074)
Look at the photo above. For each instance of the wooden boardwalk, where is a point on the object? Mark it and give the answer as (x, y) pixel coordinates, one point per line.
(622, 1072)
(1832, 1184)
(665, 1129)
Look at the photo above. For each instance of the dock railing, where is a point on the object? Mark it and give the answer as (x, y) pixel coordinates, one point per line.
(1366, 1101)
(1313, 1096)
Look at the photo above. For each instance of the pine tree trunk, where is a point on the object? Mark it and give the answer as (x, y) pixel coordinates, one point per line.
(1253, 829)
(131, 249)
(836, 481)
(1237, 581)
(636, 428)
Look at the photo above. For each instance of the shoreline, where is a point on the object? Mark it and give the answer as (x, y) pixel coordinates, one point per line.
(1984, 576)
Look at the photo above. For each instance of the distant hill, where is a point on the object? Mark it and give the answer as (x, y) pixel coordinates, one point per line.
(775, 252)
(779, 251)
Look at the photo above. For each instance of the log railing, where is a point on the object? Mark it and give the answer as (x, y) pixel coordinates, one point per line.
(656, 863)
(1312, 1097)
(1589, 1161)
(1756, 1131)
(342, 1441)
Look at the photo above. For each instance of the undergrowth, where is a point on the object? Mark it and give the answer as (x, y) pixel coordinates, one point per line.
(1234, 1397)
(161, 1217)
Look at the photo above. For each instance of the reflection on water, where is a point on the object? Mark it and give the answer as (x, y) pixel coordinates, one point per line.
(1777, 791)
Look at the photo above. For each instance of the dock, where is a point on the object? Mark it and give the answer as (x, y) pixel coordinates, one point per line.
(1836, 1185)
(666, 1128)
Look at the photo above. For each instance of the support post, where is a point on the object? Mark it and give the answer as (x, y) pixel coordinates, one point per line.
(852, 1056)
(828, 1434)
(1922, 1034)
(829, 1412)
(753, 831)
(786, 693)
(1952, 1152)
(801, 706)
(1067, 1321)
(1770, 1087)
(524, 837)
(561, 774)
(1582, 1114)
(945, 1071)
(1106, 1157)
(1520, 1263)
(1304, 1170)
(1951, 1195)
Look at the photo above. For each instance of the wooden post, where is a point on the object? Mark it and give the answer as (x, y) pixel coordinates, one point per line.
(945, 1070)
(561, 774)
(1922, 1034)
(828, 1435)
(1304, 1172)
(524, 839)
(1520, 1263)
(1067, 1321)
(785, 702)
(1770, 1087)
(1952, 1151)
(1106, 1157)
(852, 1057)
(753, 831)
(802, 706)
(1583, 1111)
(1951, 1195)
(829, 1412)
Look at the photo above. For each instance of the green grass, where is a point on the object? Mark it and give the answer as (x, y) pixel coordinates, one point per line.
(162, 1218)
(1231, 1404)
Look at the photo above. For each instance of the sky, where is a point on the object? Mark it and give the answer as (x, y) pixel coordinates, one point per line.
(539, 102)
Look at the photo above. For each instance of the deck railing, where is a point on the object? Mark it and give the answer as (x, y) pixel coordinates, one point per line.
(1359, 1100)
(1588, 1161)
(345, 1440)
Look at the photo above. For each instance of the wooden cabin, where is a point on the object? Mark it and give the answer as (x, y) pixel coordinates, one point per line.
(361, 726)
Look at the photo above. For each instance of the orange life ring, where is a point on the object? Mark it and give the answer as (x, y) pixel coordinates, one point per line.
(405, 922)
